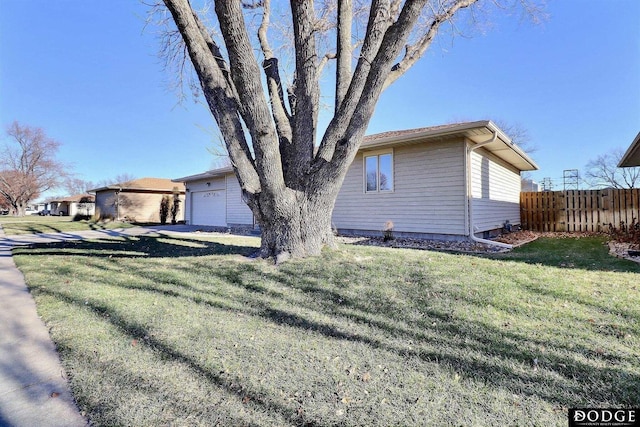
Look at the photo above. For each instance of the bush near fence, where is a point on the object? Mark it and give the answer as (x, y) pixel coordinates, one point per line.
(579, 210)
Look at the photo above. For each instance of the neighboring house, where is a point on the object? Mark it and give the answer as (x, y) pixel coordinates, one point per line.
(442, 182)
(80, 204)
(137, 200)
(632, 157)
(214, 199)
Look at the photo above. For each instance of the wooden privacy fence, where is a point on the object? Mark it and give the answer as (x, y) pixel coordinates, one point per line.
(578, 210)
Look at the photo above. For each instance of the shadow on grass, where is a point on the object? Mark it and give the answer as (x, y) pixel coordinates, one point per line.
(135, 247)
(567, 374)
(231, 384)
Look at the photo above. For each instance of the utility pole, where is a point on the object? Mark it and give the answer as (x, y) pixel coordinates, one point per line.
(547, 184)
(571, 179)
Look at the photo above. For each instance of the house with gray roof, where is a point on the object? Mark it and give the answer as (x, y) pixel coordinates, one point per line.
(450, 182)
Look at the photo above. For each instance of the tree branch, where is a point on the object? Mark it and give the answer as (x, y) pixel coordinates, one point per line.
(344, 50)
(253, 106)
(271, 69)
(306, 89)
(220, 95)
(379, 21)
(416, 51)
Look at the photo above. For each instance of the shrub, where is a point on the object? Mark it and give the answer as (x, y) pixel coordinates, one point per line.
(626, 233)
(388, 231)
(175, 206)
(164, 209)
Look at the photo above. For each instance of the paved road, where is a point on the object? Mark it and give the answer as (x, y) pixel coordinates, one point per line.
(34, 391)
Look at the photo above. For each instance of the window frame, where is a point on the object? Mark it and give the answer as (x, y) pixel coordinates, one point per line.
(377, 154)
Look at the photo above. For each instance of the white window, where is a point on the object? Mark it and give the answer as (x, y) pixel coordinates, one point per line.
(378, 172)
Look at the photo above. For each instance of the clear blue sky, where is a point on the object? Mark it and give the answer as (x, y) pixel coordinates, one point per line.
(88, 73)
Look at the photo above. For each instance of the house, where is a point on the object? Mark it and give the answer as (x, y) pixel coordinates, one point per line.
(80, 204)
(444, 182)
(632, 157)
(214, 198)
(137, 200)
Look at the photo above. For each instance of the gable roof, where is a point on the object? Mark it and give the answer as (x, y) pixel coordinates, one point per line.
(476, 132)
(632, 157)
(79, 198)
(144, 184)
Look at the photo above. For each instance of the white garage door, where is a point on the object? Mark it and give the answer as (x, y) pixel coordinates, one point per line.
(209, 208)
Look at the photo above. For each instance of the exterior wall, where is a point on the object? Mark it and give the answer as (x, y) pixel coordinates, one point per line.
(76, 208)
(144, 207)
(106, 206)
(238, 213)
(135, 206)
(495, 190)
(428, 196)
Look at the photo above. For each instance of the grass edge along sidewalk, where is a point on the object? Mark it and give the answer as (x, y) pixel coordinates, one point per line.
(188, 331)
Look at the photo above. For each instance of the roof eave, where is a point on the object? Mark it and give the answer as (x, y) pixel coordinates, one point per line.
(631, 157)
(464, 130)
(205, 175)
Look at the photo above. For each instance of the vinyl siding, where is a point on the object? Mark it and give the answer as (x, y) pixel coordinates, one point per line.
(495, 190)
(238, 213)
(428, 194)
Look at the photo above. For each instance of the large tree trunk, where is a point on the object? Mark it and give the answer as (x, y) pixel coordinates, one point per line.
(295, 224)
(288, 179)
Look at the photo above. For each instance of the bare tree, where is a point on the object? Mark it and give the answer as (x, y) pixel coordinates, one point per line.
(28, 166)
(77, 186)
(603, 172)
(289, 175)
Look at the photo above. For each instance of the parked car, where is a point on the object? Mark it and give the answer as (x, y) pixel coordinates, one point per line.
(44, 212)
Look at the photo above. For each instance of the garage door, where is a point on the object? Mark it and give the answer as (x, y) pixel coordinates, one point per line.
(209, 208)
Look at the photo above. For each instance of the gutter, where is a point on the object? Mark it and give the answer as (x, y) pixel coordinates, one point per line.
(470, 150)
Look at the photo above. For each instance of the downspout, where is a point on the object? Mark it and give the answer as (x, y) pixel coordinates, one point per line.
(472, 236)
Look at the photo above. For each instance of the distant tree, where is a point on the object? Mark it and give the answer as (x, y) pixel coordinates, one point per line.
(4, 204)
(518, 135)
(118, 179)
(289, 173)
(77, 185)
(28, 166)
(603, 172)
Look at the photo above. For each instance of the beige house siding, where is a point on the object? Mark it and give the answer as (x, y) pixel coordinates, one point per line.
(238, 213)
(134, 206)
(495, 190)
(428, 195)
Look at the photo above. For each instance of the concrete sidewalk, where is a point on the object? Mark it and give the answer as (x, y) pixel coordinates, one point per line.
(33, 387)
(34, 390)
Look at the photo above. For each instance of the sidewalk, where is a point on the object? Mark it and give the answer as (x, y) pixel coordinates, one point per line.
(34, 390)
(33, 387)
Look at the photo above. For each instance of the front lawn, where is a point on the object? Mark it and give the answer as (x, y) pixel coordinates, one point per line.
(176, 331)
(31, 224)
